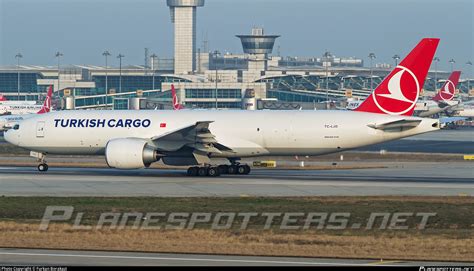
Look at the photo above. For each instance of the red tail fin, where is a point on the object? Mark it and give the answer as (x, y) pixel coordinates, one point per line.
(447, 91)
(399, 91)
(176, 104)
(47, 103)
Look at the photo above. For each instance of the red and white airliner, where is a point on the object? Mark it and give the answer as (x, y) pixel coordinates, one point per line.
(444, 99)
(8, 121)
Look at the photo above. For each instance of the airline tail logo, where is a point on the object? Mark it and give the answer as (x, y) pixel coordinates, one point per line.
(399, 91)
(447, 91)
(400, 94)
(47, 103)
(176, 104)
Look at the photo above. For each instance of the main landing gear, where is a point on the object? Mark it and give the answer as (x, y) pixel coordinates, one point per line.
(214, 171)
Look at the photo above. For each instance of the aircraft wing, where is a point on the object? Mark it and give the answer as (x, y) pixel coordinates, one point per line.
(397, 124)
(197, 136)
(446, 106)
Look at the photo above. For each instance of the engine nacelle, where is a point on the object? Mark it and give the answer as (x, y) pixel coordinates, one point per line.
(129, 153)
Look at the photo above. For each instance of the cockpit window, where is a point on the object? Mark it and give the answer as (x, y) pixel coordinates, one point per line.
(16, 127)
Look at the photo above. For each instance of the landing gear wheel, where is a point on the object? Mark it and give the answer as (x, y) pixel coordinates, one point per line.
(43, 167)
(203, 171)
(241, 169)
(213, 172)
(247, 169)
(193, 171)
(232, 169)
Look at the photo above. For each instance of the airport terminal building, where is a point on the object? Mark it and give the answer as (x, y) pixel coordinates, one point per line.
(285, 81)
(253, 79)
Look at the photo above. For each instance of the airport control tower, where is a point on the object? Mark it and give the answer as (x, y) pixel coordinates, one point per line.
(257, 46)
(183, 15)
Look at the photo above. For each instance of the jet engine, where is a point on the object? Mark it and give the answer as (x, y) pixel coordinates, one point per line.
(129, 153)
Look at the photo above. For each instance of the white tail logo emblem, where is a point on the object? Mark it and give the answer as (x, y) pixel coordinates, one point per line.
(446, 88)
(394, 87)
(448, 92)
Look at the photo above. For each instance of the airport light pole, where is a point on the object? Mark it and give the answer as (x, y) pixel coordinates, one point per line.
(106, 54)
(452, 61)
(396, 58)
(327, 55)
(120, 56)
(153, 57)
(215, 66)
(18, 57)
(372, 57)
(436, 60)
(58, 55)
(469, 79)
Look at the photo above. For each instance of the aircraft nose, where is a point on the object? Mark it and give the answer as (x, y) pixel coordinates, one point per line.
(12, 137)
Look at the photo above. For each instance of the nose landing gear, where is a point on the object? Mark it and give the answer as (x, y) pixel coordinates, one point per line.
(41, 157)
(43, 167)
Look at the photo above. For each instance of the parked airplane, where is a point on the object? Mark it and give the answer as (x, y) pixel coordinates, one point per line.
(8, 121)
(136, 139)
(443, 100)
(176, 104)
(18, 107)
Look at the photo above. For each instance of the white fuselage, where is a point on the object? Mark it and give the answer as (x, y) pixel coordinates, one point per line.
(247, 133)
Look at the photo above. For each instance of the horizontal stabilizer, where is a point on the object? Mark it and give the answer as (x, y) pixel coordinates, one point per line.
(397, 124)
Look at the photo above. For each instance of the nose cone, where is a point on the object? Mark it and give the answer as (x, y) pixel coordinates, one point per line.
(12, 137)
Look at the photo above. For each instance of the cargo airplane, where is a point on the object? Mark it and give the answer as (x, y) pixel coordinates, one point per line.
(136, 139)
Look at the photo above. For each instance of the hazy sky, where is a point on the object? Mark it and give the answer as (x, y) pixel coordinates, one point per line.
(83, 29)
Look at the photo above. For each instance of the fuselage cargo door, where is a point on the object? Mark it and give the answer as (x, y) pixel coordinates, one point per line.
(40, 129)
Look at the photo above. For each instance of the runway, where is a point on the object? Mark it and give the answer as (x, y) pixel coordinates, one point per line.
(99, 258)
(428, 179)
(442, 141)
(423, 146)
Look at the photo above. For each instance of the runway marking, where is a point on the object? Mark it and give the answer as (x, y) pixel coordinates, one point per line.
(183, 259)
(383, 262)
